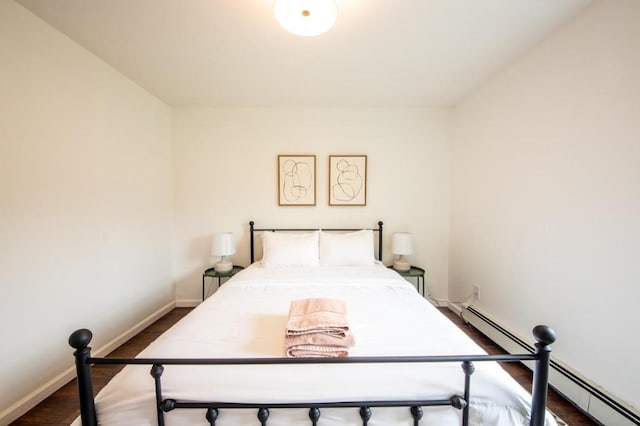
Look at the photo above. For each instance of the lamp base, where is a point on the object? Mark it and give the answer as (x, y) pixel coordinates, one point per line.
(223, 266)
(401, 265)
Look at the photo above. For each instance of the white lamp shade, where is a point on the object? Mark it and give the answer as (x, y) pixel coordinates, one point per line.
(306, 17)
(222, 244)
(402, 244)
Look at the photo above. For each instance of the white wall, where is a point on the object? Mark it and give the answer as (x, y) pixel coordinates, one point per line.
(226, 175)
(85, 201)
(545, 212)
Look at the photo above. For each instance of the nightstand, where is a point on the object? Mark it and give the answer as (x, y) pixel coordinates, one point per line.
(212, 273)
(414, 272)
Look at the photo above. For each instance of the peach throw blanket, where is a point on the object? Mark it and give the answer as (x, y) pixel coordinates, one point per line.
(318, 327)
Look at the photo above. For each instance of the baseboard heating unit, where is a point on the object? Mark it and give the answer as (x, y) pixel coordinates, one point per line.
(586, 395)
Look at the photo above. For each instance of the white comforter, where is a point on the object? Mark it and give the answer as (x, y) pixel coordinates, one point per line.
(247, 317)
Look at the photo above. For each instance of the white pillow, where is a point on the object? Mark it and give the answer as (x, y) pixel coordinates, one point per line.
(350, 249)
(288, 249)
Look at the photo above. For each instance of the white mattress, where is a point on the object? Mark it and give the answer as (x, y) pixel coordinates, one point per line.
(247, 317)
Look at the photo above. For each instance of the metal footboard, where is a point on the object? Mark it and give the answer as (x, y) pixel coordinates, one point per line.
(544, 336)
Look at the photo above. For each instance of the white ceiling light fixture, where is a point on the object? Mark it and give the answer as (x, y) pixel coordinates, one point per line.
(306, 17)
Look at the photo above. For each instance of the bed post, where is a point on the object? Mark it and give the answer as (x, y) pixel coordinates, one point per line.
(80, 340)
(468, 368)
(251, 223)
(380, 241)
(544, 336)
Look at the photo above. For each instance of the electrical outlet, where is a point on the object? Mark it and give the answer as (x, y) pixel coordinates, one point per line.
(476, 292)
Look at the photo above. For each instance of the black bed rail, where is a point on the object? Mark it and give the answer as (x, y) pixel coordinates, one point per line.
(544, 336)
(253, 230)
(345, 360)
(415, 407)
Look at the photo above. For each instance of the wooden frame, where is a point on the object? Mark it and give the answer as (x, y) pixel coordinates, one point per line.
(297, 180)
(347, 180)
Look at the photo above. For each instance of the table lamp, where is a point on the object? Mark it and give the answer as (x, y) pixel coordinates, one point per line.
(401, 245)
(222, 245)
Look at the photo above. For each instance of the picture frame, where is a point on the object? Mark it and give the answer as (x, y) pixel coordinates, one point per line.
(296, 180)
(348, 180)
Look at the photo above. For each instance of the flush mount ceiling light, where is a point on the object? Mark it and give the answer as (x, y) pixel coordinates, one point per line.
(306, 17)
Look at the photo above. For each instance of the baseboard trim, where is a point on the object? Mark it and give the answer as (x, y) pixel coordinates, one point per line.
(131, 332)
(455, 308)
(586, 395)
(441, 303)
(20, 407)
(188, 303)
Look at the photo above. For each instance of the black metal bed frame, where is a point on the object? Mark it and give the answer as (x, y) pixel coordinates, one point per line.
(543, 335)
(253, 230)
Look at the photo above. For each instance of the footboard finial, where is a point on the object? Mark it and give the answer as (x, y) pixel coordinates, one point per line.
(544, 336)
(80, 340)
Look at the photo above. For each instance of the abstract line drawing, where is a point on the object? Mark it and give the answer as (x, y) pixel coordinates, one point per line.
(347, 180)
(296, 180)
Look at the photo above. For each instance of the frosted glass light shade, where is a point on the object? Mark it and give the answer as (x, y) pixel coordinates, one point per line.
(306, 17)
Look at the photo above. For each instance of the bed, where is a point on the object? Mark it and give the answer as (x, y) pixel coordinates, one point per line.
(223, 364)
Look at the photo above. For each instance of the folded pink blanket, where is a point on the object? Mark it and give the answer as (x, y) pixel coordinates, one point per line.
(319, 339)
(318, 344)
(309, 351)
(318, 327)
(317, 315)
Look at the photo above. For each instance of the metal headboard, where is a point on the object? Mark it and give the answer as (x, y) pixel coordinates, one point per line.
(253, 230)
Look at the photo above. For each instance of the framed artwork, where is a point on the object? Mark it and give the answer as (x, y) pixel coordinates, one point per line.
(347, 180)
(296, 180)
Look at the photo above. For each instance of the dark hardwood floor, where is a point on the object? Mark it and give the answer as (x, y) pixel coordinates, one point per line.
(61, 407)
(566, 411)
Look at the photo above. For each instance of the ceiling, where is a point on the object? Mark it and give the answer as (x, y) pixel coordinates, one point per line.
(379, 53)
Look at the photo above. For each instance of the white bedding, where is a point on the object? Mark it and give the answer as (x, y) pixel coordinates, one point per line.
(247, 317)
